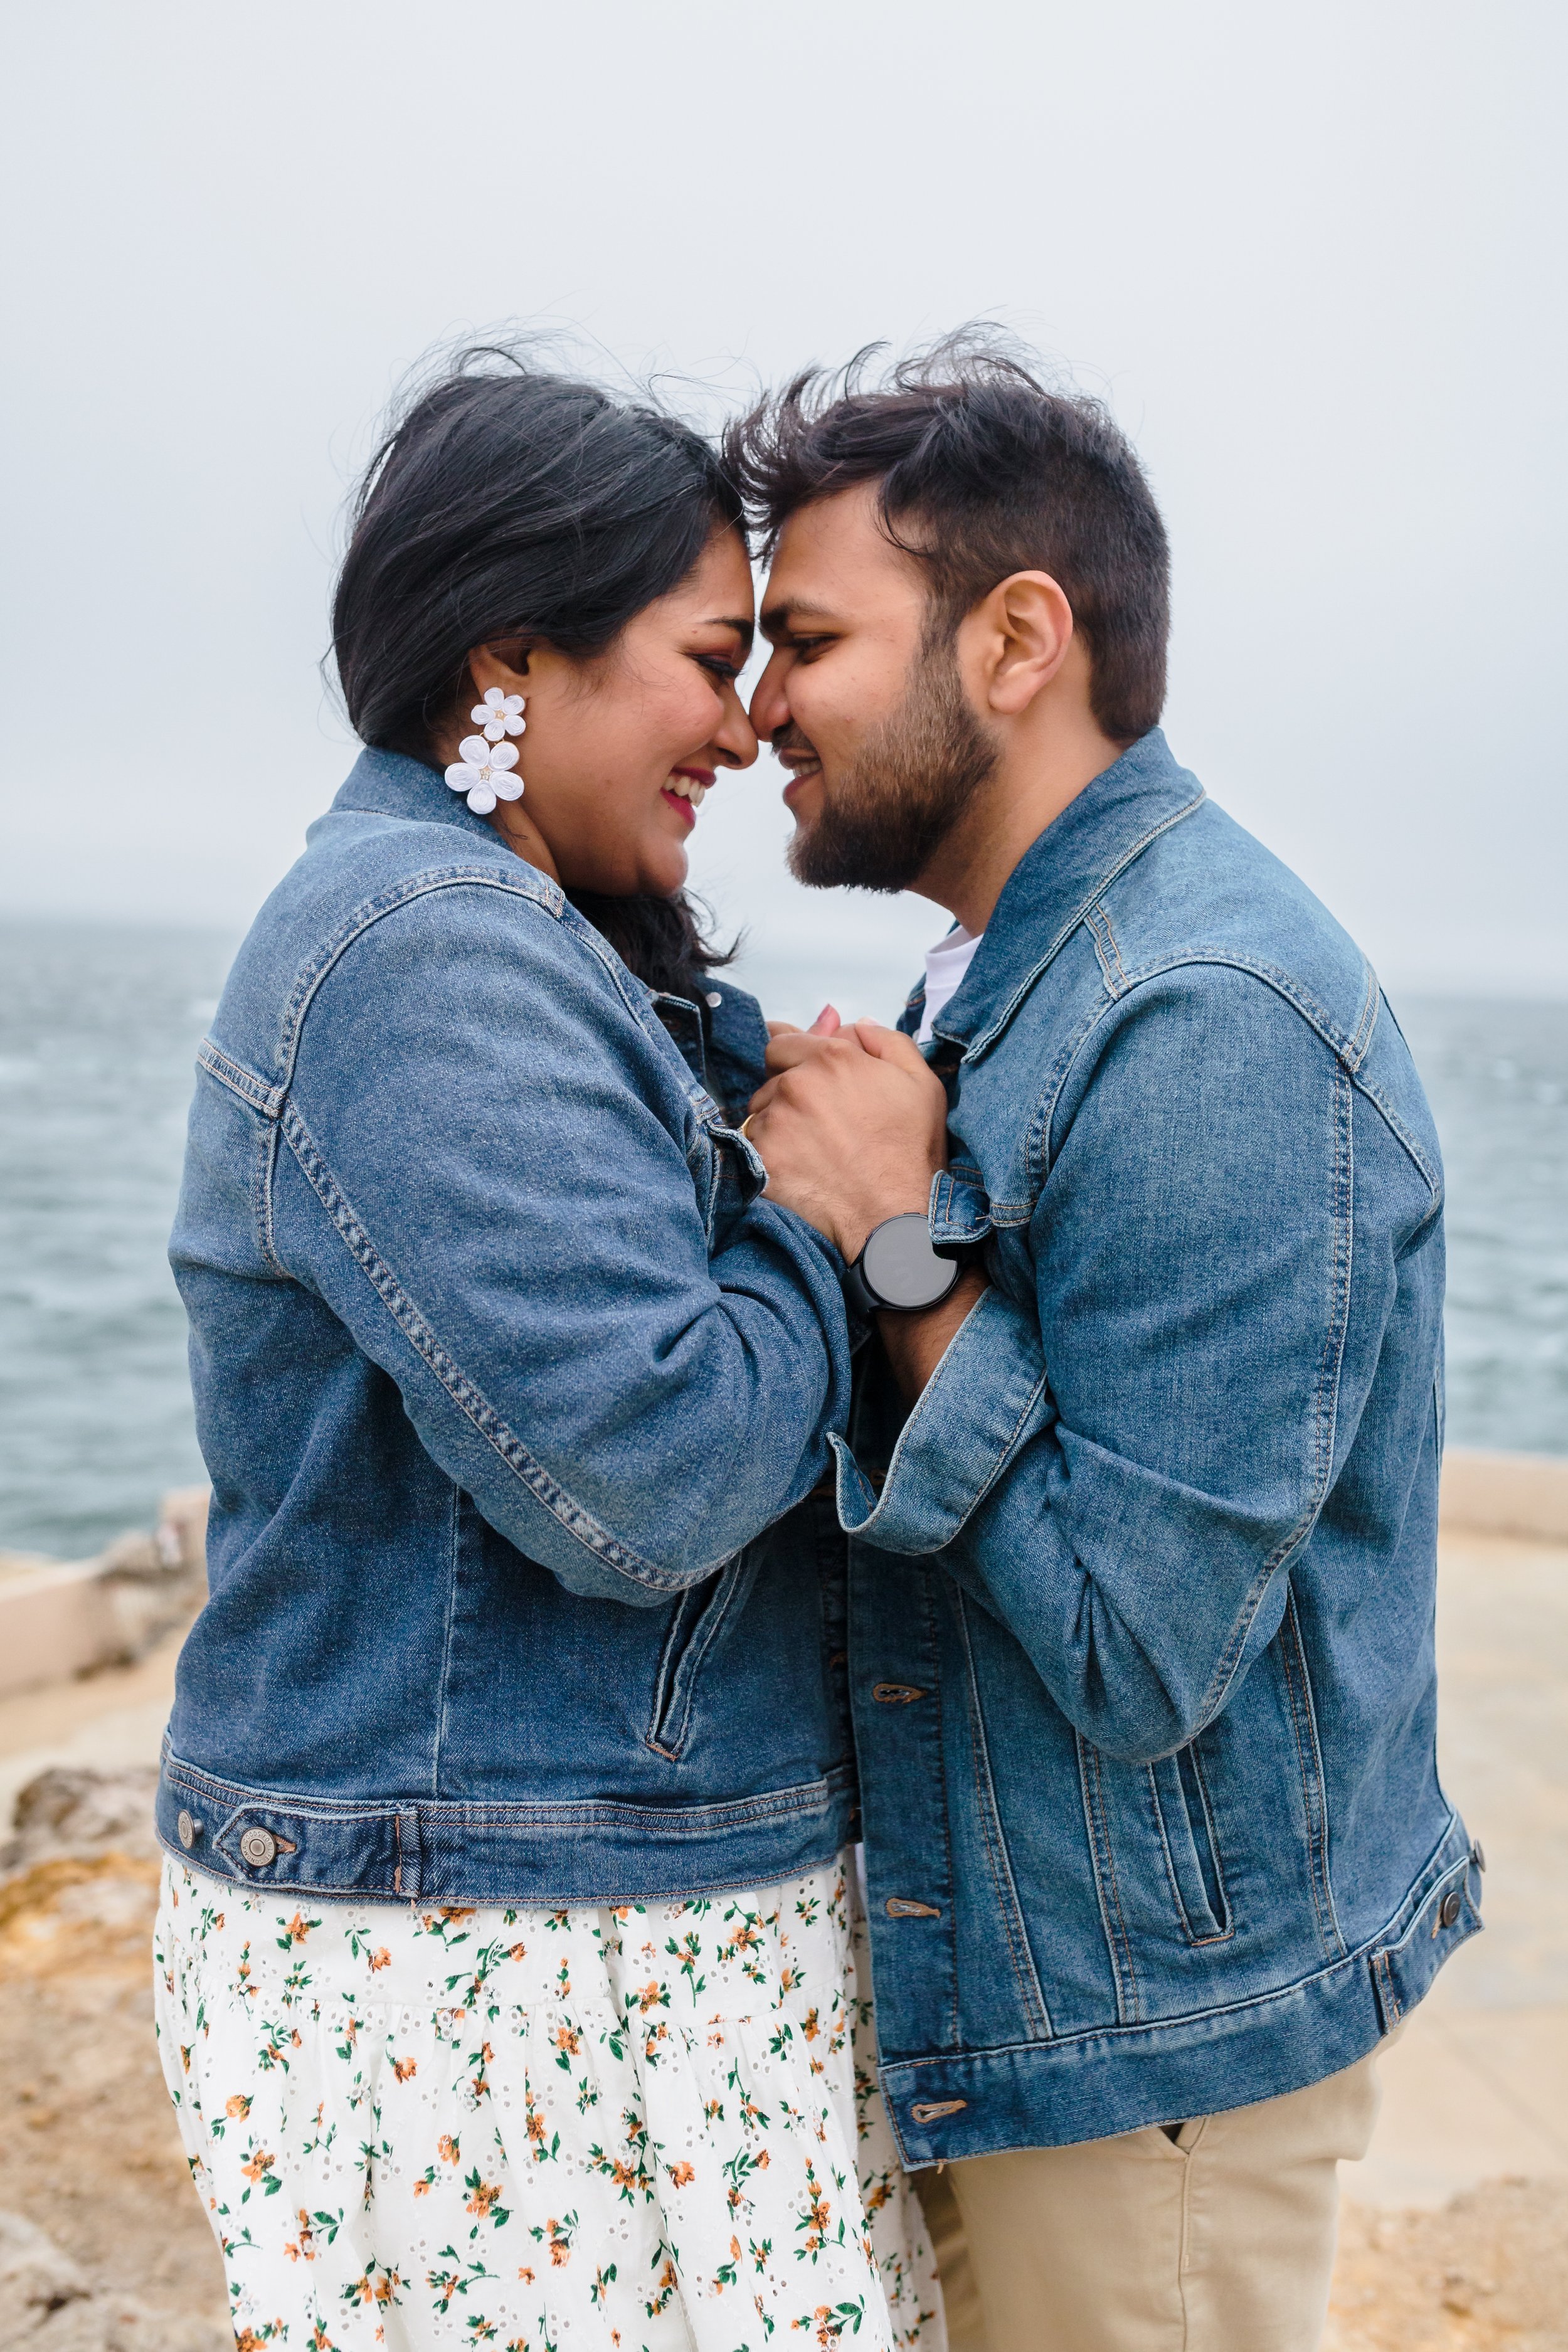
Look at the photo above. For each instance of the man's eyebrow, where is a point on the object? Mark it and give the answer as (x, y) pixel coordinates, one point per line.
(780, 620)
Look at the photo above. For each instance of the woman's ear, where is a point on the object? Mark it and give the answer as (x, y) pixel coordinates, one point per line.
(504, 665)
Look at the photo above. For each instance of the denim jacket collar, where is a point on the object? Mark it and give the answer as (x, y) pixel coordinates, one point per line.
(389, 783)
(1058, 878)
(722, 1040)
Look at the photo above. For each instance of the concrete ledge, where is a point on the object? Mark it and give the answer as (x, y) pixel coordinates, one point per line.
(59, 1618)
(1506, 1494)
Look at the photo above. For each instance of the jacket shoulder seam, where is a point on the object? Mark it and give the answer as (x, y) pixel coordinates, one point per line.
(537, 891)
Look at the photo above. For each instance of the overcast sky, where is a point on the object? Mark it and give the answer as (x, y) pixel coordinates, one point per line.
(1313, 257)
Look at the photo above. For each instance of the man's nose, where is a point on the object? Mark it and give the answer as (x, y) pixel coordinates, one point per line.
(770, 700)
(736, 740)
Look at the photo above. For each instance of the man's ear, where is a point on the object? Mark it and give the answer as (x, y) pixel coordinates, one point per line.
(1022, 632)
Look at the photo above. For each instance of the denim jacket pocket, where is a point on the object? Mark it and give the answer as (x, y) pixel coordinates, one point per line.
(695, 1623)
(1186, 1822)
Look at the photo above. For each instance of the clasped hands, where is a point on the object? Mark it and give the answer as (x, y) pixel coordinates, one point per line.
(851, 1126)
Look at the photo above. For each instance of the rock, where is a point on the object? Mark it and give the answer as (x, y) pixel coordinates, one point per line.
(62, 1618)
(154, 1582)
(72, 1809)
(182, 1532)
(47, 2304)
(36, 2277)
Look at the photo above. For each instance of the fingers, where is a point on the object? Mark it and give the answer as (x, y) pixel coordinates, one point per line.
(802, 1045)
(826, 1024)
(890, 1045)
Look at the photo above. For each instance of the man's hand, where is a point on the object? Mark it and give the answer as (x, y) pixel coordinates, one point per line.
(851, 1128)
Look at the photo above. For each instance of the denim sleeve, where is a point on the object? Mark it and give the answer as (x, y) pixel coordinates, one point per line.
(1119, 1466)
(483, 1171)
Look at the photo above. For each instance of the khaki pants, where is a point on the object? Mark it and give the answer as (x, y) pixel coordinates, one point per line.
(1221, 2240)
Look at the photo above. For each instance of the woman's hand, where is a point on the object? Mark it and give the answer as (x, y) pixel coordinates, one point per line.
(851, 1128)
(825, 1026)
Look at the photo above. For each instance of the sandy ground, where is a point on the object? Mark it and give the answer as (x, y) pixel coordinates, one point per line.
(1454, 2232)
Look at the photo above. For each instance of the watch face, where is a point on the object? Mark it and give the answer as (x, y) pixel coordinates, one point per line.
(901, 1267)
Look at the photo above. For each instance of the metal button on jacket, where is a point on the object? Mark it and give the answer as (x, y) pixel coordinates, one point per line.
(257, 1847)
(1451, 1907)
(185, 1829)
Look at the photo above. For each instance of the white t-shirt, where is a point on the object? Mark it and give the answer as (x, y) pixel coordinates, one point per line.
(946, 964)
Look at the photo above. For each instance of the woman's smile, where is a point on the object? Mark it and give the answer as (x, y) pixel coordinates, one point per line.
(685, 791)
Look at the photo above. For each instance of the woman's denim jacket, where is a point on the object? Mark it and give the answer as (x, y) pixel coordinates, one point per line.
(1141, 1614)
(501, 1370)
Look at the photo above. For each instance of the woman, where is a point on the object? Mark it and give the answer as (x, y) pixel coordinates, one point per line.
(506, 1987)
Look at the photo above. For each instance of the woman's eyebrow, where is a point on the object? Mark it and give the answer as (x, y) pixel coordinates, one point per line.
(743, 629)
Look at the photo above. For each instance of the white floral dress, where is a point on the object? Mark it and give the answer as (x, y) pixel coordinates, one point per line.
(654, 2128)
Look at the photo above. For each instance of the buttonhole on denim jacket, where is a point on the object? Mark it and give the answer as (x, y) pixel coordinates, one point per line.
(895, 1694)
(898, 1907)
(931, 2111)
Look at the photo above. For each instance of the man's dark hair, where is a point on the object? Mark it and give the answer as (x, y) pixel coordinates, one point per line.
(985, 471)
(507, 500)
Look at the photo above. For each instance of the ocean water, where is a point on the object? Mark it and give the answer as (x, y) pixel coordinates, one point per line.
(97, 1029)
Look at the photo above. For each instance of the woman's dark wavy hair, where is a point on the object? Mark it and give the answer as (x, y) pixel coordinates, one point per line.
(508, 501)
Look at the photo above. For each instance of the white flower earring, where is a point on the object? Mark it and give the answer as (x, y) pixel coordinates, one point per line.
(484, 762)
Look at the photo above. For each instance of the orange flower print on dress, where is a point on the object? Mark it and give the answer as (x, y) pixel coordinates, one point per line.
(641, 2128)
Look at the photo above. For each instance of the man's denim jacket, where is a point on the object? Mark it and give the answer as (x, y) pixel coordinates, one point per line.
(513, 1394)
(1141, 1598)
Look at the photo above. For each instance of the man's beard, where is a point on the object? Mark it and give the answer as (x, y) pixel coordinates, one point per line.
(892, 809)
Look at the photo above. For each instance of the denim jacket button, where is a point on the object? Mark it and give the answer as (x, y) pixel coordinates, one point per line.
(257, 1847)
(1452, 1904)
(185, 1829)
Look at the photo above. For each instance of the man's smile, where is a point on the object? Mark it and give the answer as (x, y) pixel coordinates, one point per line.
(799, 758)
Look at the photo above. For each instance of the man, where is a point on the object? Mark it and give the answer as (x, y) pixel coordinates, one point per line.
(1141, 1594)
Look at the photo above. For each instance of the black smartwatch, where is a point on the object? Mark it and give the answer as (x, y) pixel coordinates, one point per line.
(899, 1271)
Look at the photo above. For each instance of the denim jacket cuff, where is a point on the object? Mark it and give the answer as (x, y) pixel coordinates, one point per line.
(985, 1399)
